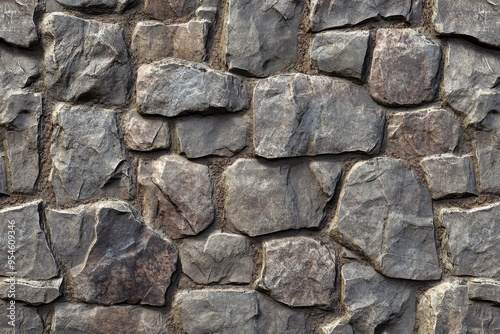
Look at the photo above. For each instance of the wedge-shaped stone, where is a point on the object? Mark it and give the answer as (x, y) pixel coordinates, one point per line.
(33, 292)
(145, 134)
(17, 69)
(487, 147)
(17, 26)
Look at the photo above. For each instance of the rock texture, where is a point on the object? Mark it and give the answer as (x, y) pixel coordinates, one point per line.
(339, 326)
(145, 134)
(484, 289)
(27, 320)
(17, 26)
(96, 6)
(172, 9)
(4, 187)
(31, 291)
(487, 149)
(17, 69)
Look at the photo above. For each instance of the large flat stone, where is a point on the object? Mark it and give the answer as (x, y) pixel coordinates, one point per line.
(17, 26)
(27, 320)
(32, 292)
(96, 6)
(486, 142)
(17, 69)
(145, 133)
(297, 115)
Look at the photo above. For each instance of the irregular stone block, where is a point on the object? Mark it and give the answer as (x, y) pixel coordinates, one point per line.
(250, 47)
(27, 320)
(87, 154)
(4, 187)
(386, 213)
(145, 134)
(85, 60)
(487, 147)
(110, 255)
(165, 9)
(341, 53)
(339, 326)
(17, 26)
(174, 87)
(32, 292)
(17, 69)
(298, 271)
(177, 195)
(96, 6)
(484, 289)
(224, 135)
(297, 115)
(288, 197)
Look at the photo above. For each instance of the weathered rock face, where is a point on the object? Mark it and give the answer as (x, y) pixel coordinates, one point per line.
(288, 197)
(250, 47)
(162, 10)
(404, 55)
(339, 326)
(472, 239)
(110, 255)
(96, 6)
(177, 195)
(88, 157)
(17, 26)
(31, 291)
(4, 187)
(298, 271)
(484, 289)
(27, 320)
(386, 213)
(17, 70)
(487, 148)
(145, 134)
(173, 87)
(85, 60)
(298, 115)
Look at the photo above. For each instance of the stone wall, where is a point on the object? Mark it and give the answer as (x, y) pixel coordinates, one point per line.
(285, 166)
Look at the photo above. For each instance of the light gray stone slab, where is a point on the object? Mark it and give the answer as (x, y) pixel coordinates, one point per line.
(96, 6)
(486, 142)
(484, 289)
(17, 69)
(33, 292)
(145, 133)
(17, 25)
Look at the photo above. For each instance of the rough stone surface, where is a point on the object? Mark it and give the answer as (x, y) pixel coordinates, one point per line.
(423, 132)
(17, 69)
(4, 187)
(27, 320)
(341, 53)
(177, 195)
(218, 258)
(224, 135)
(473, 238)
(85, 60)
(339, 326)
(487, 148)
(96, 6)
(386, 213)
(166, 9)
(17, 26)
(298, 271)
(484, 289)
(449, 175)
(111, 256)
(298, 115)
(288, 197)
(145, 134)
(250, 47)
(173, 87)
(32, 292)
(88, 157)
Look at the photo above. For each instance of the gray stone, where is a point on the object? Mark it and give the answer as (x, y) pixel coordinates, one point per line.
(219, 258)
(110, 255)
(224, 135)
(341, 53)
(174, 87)
(253, 45)
(449, 175)
(423, 132)
(17, 26)
(404, 56)
(17, 69)
(33, 257)
(88, 157)
(476, 18)
(177, 195)
(96, 6)
(4, 187)
(287, 197)
(32, 292)
(298, 271)
(327, 14)
(487, 148)
(339, 326)
(386, 213)
(298, 115)
(276, 318)
(472, 238)
(145, 134)
(169, 9)
(152, 40)
(85, 60)
(27, 320)
(484, 289)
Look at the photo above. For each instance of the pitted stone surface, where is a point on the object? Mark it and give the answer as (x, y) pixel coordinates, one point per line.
(32, 292)
(17, 69)
(145, 134)
(484, 289)
(487, 148)
(17, 26)
(96, 6)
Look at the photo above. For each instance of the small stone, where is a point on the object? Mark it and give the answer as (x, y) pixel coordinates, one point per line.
(339, 326)
(288, 197)
(341, 53)
(423, 132)
(27, 320)
(145, 134)
(170, 9)
(177, 195)
(224, 135)
(449, 175)
(85, 60)
(276, 318)
(299, 272)
(487, 147)
(17, 70)
(404, 56)
(174, 87)
(484, 289)
(17, 26)
(386, 214)
(96, 6)
(297, 114)
(152, 40)
(32, 292)
(472, 238)
(4, 187)
(253, 45)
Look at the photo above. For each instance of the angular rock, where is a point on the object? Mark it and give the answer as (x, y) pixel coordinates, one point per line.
(17, 26)
(174, 87)
(110, 255)
(250, 47)
(298, 115)
(472, 238)
(145, 134)
(449, 175)
(4, 187)
(487, 148)
(386, 213)
(33, 257)
(27, 320)
(219, 258)
(423, 132)
(341, 53)
(88, 157)
(168, 9)
(224, 135)
(404, 56)
(32, 292)
(17, 69)
(177, 195)
(152, 40)
(339, 326)
(96, 6)
(298, 271)
(288, 197)
(484, 289)
(85, 60)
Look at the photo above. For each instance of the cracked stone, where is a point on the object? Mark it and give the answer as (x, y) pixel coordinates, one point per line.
(17, 26)
(17, 69)
(27, 320)
(33, 292)
(96, 6)
(339, 326)
(145, 133)
(487, 148)
(484, 289)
